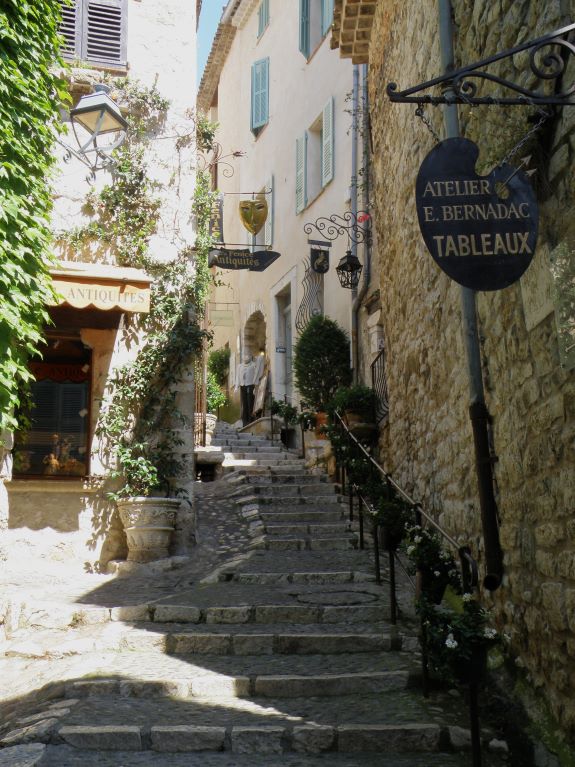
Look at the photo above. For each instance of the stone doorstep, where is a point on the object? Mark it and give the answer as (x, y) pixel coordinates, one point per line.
(257, 739)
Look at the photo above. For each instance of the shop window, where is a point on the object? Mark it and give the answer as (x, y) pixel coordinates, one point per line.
(95, 31)
(56, 444)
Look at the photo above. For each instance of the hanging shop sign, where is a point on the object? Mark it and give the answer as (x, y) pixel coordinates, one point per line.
(319, 260)
(224, 258)
(216, 224)
(480, 230)
(253, 214)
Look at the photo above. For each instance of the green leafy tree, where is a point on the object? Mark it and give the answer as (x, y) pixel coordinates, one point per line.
(321, 361)
(30, 94)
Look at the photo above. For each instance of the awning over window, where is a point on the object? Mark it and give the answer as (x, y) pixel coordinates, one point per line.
(102, 286)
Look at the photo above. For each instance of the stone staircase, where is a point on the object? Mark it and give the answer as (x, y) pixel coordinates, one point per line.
(282, 657)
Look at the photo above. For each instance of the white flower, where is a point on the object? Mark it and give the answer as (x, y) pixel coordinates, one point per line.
(410, 550)
(451, 642)
(489, 633)
(417, 538)
(436, 573)
(467, 597)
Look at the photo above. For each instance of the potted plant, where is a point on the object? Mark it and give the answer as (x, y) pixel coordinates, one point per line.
(435, 568)
(290, 416)
(394, 516)
(459, 640)
(321, 365)
(357, 405)
(148, 520)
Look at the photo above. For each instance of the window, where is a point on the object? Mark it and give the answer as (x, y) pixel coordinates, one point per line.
(56, 445)
(260, 95)
(95, 31)
(263, 16)
(315, 158)
(315, 20)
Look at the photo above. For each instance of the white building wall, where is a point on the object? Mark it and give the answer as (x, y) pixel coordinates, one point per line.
(298, 91)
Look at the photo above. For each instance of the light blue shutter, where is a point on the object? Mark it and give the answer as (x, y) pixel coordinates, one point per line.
(300, 173)
(263, 16)
(304, 27)
(326, 15)
(260, 93)
(327, 146)
(269, 225)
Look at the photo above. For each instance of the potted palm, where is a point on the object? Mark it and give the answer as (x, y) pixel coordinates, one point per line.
(321, 365)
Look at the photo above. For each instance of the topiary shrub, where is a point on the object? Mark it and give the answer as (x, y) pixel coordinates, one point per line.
(321, 361)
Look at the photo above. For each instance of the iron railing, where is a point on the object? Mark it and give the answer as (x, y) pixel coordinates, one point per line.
(379, 386)
(467, 563)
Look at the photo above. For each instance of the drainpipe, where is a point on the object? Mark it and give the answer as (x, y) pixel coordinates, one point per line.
(358, 298)
(353, 190)
(477, 409)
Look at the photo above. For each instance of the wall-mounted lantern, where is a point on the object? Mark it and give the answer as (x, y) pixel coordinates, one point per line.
(357, 228)
(96, 115)
(349, 270)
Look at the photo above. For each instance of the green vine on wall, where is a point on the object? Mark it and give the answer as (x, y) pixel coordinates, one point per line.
(30, 95)
(140, 417)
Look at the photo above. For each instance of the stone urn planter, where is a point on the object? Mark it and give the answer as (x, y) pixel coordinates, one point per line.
(211, 421)
(149, 524)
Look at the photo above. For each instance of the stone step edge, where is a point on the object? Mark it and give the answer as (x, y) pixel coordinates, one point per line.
(244, 687)
(189, 614)
(261, 739)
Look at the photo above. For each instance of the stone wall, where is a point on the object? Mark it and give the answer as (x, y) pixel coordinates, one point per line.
(427, 443)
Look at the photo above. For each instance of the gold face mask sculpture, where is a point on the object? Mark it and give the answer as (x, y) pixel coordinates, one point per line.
(253, 214)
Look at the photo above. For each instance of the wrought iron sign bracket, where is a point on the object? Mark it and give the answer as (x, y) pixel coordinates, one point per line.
(356, 227)
(546, 62)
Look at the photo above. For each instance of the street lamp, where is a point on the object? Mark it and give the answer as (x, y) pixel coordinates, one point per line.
(349, 270)
(96, 115)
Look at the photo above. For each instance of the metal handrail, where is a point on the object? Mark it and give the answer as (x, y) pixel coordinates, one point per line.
(468, 563)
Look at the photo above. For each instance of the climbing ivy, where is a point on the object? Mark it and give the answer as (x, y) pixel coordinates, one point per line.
(30, 94)
(141, 418)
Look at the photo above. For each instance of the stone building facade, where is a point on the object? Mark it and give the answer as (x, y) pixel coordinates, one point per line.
(57, 502)
(528, 372)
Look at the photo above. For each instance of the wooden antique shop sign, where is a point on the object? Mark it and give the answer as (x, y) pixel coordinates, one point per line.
(225, 258)
(481, 230)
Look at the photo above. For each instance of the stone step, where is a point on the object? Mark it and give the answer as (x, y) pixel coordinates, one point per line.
(320, 502)
(315, 543)
(321, 490)
(273, 478)
(289, 464)
(67, 756)
(310, 516)
(303, 529)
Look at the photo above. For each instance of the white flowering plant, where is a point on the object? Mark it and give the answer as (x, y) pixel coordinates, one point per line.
(458, 641)
(424, 548)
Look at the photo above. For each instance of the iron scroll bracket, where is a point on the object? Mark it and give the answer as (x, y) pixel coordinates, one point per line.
(548, 59)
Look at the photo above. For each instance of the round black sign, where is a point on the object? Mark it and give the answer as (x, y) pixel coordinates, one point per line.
(481, 230)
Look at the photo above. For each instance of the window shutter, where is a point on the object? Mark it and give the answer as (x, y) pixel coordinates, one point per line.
(71, 28)
(327, 153)
(260, 93)
(263, 16)
(304, 27)
(326, 15)
(269, 225)
(104, 31)
(300, 173)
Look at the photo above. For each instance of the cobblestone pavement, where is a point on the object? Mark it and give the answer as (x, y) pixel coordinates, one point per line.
(259, 650)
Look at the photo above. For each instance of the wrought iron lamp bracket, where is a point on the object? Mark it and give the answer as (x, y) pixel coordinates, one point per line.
(461, 86)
